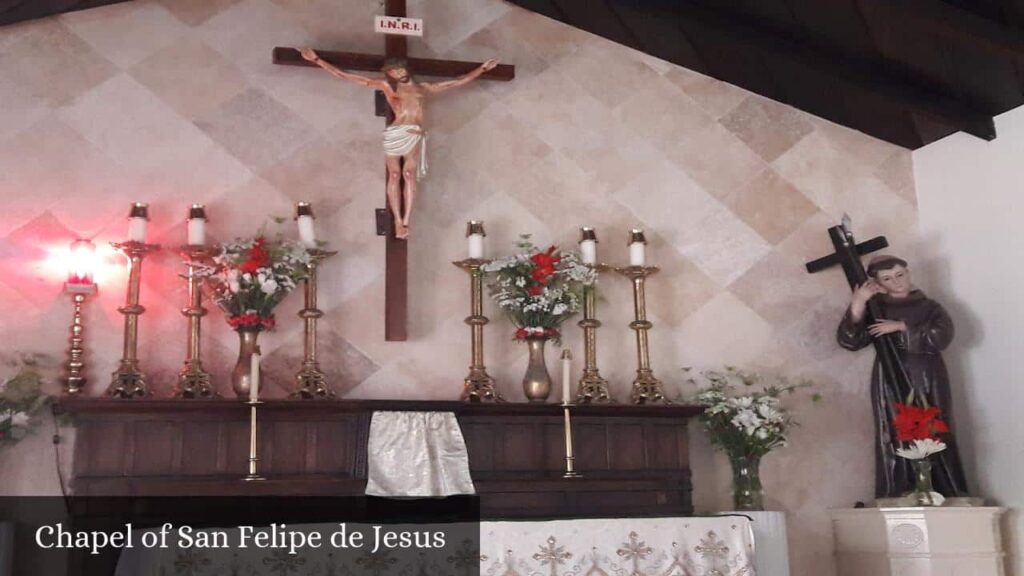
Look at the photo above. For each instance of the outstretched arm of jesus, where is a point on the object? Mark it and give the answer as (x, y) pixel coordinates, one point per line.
(312, 56)
(437, 87)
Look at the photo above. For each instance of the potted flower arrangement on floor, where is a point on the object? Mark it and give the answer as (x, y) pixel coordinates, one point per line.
(251, 277)
(538, 290)
(744, 416)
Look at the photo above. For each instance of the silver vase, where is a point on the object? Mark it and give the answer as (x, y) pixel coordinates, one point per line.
(537, 381)
(241, 376)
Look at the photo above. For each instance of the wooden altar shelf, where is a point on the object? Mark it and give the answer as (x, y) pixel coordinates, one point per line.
(635, 459)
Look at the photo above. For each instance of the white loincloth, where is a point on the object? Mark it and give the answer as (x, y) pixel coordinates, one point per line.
(401, 139)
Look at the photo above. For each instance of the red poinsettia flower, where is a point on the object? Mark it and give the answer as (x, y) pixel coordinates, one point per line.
(916, 423)
(535, 290)
(258, 257)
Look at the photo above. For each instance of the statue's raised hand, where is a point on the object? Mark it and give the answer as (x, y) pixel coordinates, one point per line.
(490, 65)
(309, 54)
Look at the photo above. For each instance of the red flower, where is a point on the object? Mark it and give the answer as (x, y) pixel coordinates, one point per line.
(546, 260)
(258, 257)
(251, 320)
(916, 423)
(535, 290)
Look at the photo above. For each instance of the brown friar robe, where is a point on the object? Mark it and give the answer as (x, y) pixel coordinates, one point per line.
(930, 330)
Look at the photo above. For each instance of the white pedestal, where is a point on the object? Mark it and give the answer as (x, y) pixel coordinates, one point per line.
(943, 541)
(771, 544)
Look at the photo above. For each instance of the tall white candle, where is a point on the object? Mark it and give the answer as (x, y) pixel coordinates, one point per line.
(254, 383)
(588, 251)
(475, 239)
(637, 248)
(304, 219)
(137, 218)
(196, 225)
(566, 375)
(476, 246)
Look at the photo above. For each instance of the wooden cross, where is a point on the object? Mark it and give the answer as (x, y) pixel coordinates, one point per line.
(847, 255)
(396, 258)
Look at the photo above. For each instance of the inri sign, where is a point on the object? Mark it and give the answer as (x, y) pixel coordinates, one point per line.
(398, 25)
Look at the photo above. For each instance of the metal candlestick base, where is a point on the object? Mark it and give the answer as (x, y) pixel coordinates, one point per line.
(253, 458)
(128, 381)
(75, 381)
(570, 458)
(592, 388)
(478, 386)
(193, 380)
(311, 380)
(646, 388)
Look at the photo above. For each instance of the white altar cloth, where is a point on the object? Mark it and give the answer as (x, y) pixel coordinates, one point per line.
(701, 546)
(417, 454)
(720, 546)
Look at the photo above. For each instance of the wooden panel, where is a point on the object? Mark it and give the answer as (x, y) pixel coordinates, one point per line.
(634, 459)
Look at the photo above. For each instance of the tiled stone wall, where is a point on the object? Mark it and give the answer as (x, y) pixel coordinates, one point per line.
(175, 101)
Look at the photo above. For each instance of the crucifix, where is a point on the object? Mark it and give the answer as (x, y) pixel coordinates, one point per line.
(404, 139)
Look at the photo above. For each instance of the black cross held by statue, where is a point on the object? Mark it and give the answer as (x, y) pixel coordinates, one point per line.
(396, 251)
(847, 255)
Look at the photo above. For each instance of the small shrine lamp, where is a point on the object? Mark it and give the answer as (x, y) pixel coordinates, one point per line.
(80, 284)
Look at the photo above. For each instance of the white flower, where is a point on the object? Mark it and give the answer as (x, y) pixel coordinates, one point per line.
(233, 287)
(19, 419)
(268, 286)
(921, 449)
(746, 420)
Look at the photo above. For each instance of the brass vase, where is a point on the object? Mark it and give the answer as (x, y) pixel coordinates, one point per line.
(537, 381)
(241, 376)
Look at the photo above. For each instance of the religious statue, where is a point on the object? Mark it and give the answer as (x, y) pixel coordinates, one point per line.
(921, 329)
(405, 138)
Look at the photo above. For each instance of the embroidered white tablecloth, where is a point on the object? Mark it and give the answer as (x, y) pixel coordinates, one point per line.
(720, 546)
(619, 547)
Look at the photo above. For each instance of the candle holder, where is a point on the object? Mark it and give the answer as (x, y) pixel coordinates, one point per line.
(254, 459)
(479, 386)
(193, 380)
(592, 387)
(646, 388)
(75, 381)
(128, 381)
(570, 458)
(311, 380)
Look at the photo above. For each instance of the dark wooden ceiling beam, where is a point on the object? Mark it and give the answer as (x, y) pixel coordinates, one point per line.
(13, 11)
(962, 25)
(865, 76)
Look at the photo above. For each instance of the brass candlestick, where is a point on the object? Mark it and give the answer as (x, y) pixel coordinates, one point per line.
(75, 381)
(570, 458)
(193, 380)
(592, 387)
(479, 386)
(646, 388)
(253, 447)
(312, 381)
(128, 381)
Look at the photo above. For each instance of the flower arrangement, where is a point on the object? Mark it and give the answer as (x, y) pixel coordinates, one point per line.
(253, 275)
(539, 290)
(21, 396)
(921, 428)
(744, 416)
(752, 423)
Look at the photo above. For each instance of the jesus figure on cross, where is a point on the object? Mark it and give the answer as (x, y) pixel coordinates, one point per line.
(405, 138)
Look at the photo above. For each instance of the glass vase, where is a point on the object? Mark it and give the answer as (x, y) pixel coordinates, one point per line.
(747, 493)
(924, 493)
(536, 381)
(241, 376)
